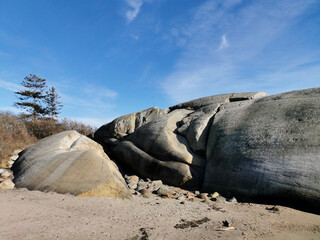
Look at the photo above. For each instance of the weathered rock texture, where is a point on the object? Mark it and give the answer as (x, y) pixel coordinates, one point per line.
(69, 162)
(267, 148)
(169, 145)
(249, 145)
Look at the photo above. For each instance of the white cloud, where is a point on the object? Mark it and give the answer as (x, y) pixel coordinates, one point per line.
(99, 92)
(224, 42)
(135, 6)
(252, 27)
(9, 86)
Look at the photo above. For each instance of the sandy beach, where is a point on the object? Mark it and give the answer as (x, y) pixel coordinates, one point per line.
(36, 215)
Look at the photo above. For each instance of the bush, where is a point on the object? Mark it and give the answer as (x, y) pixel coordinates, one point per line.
(13, 135)
(18, 133)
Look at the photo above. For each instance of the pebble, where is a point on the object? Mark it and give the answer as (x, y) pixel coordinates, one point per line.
(190, 194)
(14, 157)
(7, 184)
(214, 195)
(163, 189)
(132, 185)
(167, 195)
(133, 178)
(17, 151)
(5, 174)
(156, 182)
(203, 196)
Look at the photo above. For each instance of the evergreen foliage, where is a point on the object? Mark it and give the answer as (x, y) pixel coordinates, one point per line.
(53, 104)
(37, 100)
(30, 99)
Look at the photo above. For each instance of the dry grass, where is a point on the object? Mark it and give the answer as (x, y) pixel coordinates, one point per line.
(13, 135)
(18, 134)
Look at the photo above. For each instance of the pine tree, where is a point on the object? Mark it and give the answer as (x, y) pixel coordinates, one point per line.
(53, 105)
(30, 98)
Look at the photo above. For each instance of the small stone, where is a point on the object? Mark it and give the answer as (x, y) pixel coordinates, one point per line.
(163, 189)
(221, 199)
(193, 200)
(207, 201)
(141, 185)
(132, 185)
(203, 196)
(133, 178)
(2, 170)
(10, 162)
(1, 179)
(232, 200)
(181, 198)
(214, 195)
(17, 151)
(179, 190)
(156, 182)
(190, 194)
(141, 180)
(167, 195)
(196, 192)
(145, 191)
(5, 174)
(7, 184)
(14, 157)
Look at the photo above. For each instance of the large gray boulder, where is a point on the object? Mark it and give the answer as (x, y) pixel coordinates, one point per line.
(127, 124)
(171, 172)
(159, 139)
(267, 149)
(69, 162)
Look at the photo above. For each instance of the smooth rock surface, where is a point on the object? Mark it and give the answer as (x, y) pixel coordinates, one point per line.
(170, 172)
(127, 124)
(158, 138)
(69, 162)
(267, 149)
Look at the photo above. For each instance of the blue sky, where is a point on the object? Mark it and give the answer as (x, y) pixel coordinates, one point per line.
(112, 57)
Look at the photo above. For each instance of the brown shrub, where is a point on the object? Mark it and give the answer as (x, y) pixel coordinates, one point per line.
(13, 135)
(18, 133)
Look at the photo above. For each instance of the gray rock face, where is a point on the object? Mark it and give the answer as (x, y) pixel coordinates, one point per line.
(267, 148)
(69, 163)
(127, 124)
(171, 172)
(158, 138)
(250, 145)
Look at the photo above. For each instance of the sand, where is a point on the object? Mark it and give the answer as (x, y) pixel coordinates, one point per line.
(36, 215)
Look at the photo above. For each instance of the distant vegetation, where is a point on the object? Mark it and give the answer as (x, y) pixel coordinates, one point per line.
(40, 119)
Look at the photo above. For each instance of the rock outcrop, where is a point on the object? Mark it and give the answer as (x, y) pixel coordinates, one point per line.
(248, 145)
(171, 145)
(69, 162)
(267, 149)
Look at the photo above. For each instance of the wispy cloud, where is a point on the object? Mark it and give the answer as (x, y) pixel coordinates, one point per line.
(95, 122)
(256, 30)
(134, 10)
(224, 42)
(99, 92)
(9, 86)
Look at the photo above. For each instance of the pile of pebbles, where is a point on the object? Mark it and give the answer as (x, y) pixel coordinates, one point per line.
(6, 175)
(148, 189)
